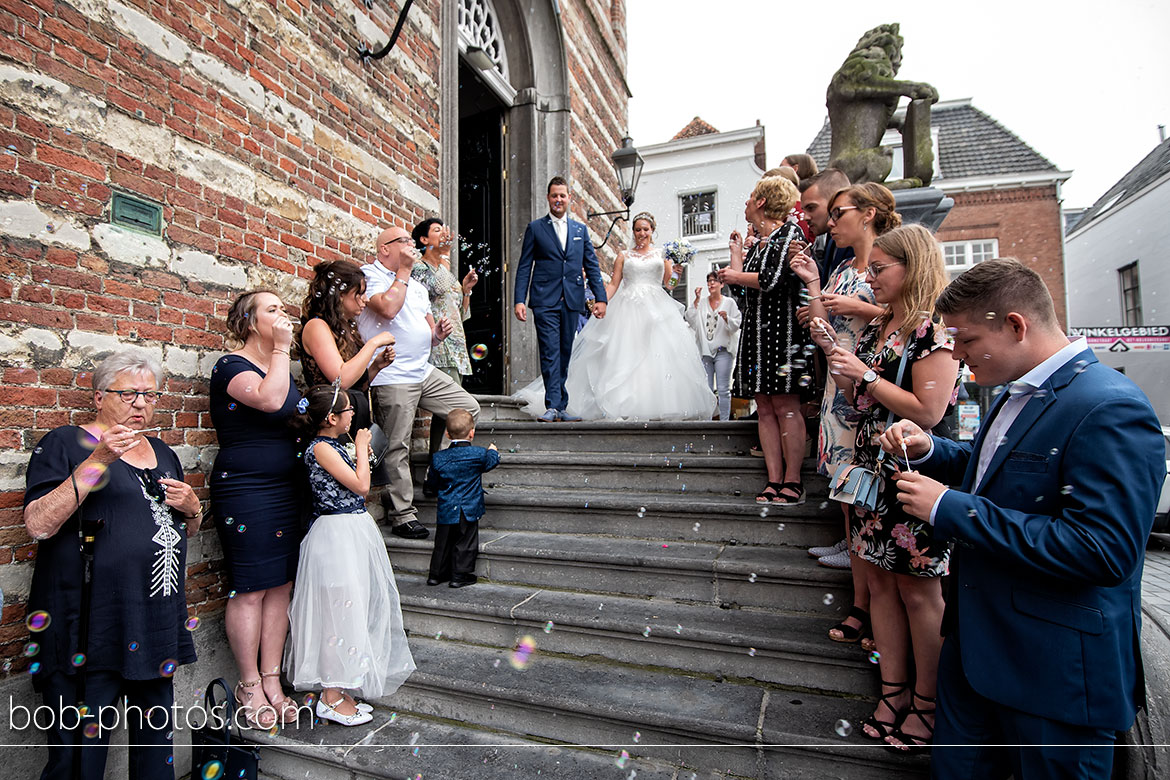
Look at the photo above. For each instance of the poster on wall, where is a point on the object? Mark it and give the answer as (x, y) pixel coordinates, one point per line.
(968, 420)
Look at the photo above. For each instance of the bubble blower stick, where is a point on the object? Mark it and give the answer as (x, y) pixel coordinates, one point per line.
(906, 456)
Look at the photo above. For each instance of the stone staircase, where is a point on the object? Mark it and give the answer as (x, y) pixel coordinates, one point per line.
(679, 627)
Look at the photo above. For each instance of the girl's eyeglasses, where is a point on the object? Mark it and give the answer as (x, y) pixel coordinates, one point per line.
(874, 269)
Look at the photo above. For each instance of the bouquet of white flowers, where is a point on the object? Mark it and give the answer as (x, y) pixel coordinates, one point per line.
(678, 253)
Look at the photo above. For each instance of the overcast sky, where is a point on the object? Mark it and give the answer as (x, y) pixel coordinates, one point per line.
(1084, 83)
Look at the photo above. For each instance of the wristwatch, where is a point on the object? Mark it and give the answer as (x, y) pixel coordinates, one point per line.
(867, 379)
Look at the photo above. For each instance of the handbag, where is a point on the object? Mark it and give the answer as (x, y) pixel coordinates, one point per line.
(379, 445)
(213, 742)
(859, 486)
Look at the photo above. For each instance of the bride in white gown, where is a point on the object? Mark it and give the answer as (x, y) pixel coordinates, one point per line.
(641, 361)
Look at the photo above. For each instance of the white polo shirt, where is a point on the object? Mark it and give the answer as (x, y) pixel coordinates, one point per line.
(411, 332)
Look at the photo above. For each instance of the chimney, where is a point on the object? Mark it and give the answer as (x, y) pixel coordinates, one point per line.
(760, 155)
(1161, 133)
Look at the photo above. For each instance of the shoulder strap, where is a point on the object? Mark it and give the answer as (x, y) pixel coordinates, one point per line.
(901, 373)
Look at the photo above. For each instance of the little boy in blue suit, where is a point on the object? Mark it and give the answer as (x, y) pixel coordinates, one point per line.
(456, 475)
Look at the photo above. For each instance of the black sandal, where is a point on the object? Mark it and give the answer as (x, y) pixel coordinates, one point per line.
(911, 743)
(764, 497)
(885, 728)
(796, 487)
(849, 634)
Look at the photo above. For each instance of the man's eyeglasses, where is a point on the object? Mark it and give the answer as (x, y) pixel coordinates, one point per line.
(407, 239)
(130, 396)
(874, 269)
(836, 213)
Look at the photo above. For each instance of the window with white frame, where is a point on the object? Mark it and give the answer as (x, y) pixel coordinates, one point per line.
(698, 213)
(960, 255)
(1131, 295)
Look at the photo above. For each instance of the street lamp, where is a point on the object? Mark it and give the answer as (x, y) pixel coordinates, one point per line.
(627, 164)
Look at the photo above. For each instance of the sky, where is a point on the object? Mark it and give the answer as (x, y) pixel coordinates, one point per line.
(1085, 84)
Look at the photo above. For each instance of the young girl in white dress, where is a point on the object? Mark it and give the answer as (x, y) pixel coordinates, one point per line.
(346, 632)
(640, 362)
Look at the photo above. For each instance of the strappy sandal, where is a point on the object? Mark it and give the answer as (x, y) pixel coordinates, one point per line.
(912, 743)
(764, 497)
(281, 708)
(849, 634)
(795, 487)
(885, 728)
(244, 695)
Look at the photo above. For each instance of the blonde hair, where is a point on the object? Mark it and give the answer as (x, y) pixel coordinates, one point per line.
(459, 424)
(925, 278)
(786, 172)
(779, 196)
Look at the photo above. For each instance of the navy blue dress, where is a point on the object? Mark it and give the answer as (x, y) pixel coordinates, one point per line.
(254, 485)
(140, 565)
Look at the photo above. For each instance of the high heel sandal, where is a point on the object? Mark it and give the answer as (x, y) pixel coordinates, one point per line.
(885, 728)
(849, 634)
(912, 743)
(281, 708)
(251, 714)
(764, 497)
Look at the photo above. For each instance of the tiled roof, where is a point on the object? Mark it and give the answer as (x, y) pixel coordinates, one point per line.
(696, 127)
(1154, 166)
(970, 143)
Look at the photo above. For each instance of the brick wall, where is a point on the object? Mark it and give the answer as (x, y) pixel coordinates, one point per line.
(268, 146)
(1027, 223)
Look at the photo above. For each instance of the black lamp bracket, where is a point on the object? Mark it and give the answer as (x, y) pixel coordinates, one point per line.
(364, 53)
(624, 214)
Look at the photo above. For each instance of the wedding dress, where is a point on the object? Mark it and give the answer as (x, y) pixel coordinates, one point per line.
(639, 362)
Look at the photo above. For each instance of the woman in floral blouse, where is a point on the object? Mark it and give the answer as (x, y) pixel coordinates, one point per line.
(448, 297)
(898, 553)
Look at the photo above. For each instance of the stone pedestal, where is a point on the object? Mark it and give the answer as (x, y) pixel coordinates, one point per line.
(925, 205)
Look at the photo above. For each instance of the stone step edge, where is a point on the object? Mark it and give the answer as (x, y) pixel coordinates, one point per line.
(810, 574)
(765, 645)
(610, 426)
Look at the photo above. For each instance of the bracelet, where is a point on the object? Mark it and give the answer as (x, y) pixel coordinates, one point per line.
(281, 351)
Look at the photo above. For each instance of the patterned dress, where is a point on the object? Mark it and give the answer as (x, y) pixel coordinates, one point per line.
(446, 294)
(773, 348)
(838, 417)
(888, 537)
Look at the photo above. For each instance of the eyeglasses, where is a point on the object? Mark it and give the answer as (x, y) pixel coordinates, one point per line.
(346, 409)
(408, 239)
(835, 214)
(874, 269)
(130, 396)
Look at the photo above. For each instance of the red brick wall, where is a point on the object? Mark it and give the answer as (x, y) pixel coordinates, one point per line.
(1027, 223)
(269, 146)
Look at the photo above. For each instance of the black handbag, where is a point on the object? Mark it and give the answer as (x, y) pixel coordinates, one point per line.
(212, 751)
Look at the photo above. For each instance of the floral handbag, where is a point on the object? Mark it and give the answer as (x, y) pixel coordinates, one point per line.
(859, 486)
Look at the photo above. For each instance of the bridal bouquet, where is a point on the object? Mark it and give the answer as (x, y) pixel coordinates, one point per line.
(679, 252)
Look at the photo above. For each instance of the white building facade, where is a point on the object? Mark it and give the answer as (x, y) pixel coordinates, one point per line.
(696, 188)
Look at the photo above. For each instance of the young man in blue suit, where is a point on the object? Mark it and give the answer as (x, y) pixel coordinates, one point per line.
(456, 475)
(1052, 505)
(555, 251)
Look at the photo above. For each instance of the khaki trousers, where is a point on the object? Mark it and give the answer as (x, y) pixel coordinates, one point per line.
(394, 409)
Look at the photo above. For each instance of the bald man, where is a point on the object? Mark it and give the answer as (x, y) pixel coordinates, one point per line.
(399, 305)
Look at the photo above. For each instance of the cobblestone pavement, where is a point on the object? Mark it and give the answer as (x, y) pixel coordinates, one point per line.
(1156, 576)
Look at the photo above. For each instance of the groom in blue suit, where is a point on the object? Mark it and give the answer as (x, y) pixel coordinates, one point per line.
(549, 278)
(1041, 665)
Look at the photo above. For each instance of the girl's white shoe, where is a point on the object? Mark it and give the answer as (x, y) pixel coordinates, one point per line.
(325, 711)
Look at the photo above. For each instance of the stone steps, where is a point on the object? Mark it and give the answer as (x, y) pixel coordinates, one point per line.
(700, 572)
(650, 515)
(707, 438)
(783, 649)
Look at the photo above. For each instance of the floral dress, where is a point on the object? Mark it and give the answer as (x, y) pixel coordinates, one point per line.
(838, 417)
(773, 347)
(446, 294)
(888, 537)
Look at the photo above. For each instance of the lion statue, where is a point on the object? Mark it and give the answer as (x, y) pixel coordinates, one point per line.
(862, 98)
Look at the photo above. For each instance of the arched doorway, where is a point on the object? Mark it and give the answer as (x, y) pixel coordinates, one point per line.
(505, 126)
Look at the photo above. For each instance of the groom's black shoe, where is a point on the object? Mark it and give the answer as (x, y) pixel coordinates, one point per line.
(550, 415)
(436, 580)
(566, 417)
(464, 581)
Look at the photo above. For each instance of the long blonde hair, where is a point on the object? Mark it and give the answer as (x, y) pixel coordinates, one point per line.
(925, 277)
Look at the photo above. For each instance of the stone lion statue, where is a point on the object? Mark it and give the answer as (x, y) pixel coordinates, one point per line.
(862, 98)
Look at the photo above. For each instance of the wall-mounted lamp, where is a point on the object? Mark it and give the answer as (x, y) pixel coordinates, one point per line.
(479, 59)
(627, 164)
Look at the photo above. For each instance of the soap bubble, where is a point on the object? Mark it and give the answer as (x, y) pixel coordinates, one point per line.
(622, 759)
(752, 652)
(31, 649)
(522, 653)
(38, 621)
(637, 736)
(828, 599)
(1064, 491)
(843, 728)
(167, 668)
(752, 577)
(875, 657)
(646, 631)
(91, 730)
(78, 659)
(132, 647)
(212, 770)
(479, 352)
(548, 627)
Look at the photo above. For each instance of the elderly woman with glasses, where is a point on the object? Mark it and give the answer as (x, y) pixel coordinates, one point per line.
(901, 369)
(127, 491)
(254, 497)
